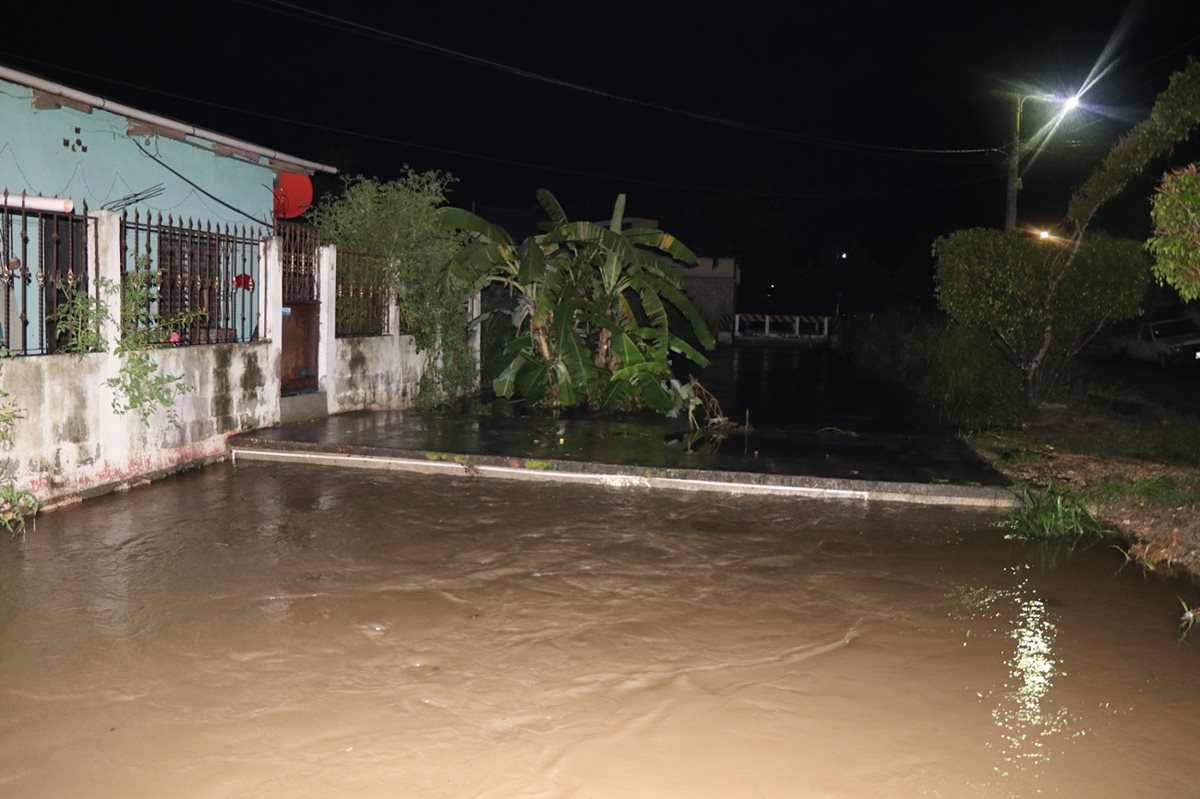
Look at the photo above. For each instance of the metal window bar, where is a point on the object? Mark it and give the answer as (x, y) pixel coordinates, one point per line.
(300, 252)
(363, 295)
(203, 280)
(40, 252)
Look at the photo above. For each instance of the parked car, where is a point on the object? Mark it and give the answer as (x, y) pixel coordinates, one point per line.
(1166, 342)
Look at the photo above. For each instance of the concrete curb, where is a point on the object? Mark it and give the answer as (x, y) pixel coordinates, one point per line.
(247, 447)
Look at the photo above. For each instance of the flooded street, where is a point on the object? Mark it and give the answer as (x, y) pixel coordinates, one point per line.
(288, 631)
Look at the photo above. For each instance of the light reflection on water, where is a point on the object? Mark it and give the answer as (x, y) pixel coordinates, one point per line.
(1032, 725)
(1025, 713)
(272, 631)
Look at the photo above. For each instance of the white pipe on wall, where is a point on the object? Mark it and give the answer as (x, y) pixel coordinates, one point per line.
(52, 205)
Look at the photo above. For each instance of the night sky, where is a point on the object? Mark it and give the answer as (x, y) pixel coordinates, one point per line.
(831, 110)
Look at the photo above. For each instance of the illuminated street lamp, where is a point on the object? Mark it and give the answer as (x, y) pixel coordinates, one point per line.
(1068, 104)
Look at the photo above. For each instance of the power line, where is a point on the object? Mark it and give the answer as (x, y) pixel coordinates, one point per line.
(196, 186)
(294, 11)
(368, 136)
(470, 155)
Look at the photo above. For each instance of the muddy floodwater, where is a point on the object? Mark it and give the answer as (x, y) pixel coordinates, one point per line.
(289, 631)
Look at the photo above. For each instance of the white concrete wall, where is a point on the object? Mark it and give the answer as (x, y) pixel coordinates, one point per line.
(378, 373)
(70, 441)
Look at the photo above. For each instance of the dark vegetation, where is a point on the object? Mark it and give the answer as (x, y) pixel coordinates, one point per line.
(950, 368)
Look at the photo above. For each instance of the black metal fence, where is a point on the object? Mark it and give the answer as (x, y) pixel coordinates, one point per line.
(363, 295)
(199, 282)
(43, 257)
(301, 247)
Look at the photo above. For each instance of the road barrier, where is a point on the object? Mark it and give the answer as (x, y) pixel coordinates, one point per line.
(778, 327)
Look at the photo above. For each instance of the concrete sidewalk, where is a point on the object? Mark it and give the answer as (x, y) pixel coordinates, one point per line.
(828, 462)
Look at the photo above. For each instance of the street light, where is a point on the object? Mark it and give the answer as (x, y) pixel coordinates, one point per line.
(1068, 104)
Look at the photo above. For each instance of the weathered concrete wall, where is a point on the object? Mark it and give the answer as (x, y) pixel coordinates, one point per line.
(374, 373)
(71, 442)
(379, 373)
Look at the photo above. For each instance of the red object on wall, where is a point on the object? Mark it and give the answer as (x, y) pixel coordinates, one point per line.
(293, 194)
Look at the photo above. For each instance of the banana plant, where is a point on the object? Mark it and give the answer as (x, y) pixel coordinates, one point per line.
(590, 308)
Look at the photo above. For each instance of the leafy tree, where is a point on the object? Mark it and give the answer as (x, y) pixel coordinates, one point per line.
(398, 222)
(1025, 286)
(1001, 281)
(1176, 240)
(590, 309)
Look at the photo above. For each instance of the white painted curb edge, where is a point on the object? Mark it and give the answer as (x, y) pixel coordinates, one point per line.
(998, 500)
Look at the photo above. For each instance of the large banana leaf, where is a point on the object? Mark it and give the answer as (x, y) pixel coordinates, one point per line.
(573, 354)
(610, 273)
(612, 394)
(656, 312)
(640, 371)
(627, 317)
(461, 219)
(650, 237)
(554, 211)
(688, 351)
(648, 263)
(547, 301)
(618, 214)
(506, 382)
(568, 393)
(595, 315)
(476, 265)
(646, 380)
(533, 382)
(572, 282)
(533, 264)
(677, 298)
(592, 234)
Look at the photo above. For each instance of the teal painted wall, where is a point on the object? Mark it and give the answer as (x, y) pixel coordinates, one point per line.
(89, 157)
(41, 152)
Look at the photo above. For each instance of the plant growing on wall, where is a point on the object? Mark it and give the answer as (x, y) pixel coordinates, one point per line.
(9, 412)
(16, 505)
(590, 312)
(397, 222)
(139, 386)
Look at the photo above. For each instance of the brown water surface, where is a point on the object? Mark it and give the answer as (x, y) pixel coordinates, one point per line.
(287, 631)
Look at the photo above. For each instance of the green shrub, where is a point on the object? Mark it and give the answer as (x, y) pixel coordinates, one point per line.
(952, 369)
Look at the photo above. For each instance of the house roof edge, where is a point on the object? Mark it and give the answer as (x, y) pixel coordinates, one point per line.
(96, 101)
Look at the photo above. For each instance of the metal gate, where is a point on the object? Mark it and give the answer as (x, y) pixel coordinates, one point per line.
(301, 246)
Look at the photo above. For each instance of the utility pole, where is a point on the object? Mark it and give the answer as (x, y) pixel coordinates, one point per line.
(1068, 104)
(1014, 166)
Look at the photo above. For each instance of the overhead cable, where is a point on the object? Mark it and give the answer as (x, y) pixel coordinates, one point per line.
(294, 11)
